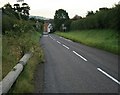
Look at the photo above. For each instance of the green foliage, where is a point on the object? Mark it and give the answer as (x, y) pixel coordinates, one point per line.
(90, 13)
(7, 23)
(103, 39)
(103, 19)
(61, 17)
(13, 49)
(19, 37)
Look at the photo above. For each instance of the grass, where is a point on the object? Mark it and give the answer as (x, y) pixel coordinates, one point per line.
(14, 48)
(102, 39)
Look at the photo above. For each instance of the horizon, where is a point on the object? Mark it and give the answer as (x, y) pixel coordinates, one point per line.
(47, 9)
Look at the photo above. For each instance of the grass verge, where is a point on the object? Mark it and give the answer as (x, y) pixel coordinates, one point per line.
(102, 39)
(14, 48)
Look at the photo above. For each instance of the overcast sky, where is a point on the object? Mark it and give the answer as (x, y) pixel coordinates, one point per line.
(47, 8)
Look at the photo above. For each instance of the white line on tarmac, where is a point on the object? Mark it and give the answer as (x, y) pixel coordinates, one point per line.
(66, 39)
(79, 55)
(65, 46)
(58, 42)
(115, 80)
(52, 38)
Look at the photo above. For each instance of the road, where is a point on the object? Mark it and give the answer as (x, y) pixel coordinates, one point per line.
(75, 68)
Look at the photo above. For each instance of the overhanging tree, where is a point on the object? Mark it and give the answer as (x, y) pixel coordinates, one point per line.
(61, 17)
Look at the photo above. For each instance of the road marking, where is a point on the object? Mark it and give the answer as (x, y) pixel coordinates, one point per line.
(52, 38)
(58, 42)
(80, 56)
(66, 39)
(45, 35)
(65, 46)
(115, 80)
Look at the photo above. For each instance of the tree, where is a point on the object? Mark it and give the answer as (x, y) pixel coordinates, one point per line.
(61, 16)
(90, 13)
(17, 8)
(76, 17)
(25, 9)
(8, 6)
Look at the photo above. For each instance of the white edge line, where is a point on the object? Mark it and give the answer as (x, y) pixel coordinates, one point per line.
(65, 46)
(80, 56)
(115, 80)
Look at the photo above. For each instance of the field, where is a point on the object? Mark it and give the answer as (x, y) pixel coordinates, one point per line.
(102, 39)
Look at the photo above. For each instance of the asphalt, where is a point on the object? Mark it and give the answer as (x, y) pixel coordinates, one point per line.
(75, 68)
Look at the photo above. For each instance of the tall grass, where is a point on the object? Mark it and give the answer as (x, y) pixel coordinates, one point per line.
(102, 39)
(20, 37)
(13, 50)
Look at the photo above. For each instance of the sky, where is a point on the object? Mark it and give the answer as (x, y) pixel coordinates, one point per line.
(47, 8)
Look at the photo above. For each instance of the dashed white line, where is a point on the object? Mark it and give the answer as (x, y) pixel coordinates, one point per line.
(65, 46)
(66, 39)
(52, 38)
(45, 35)
(115, 80)
(79, 55)
(58, 42)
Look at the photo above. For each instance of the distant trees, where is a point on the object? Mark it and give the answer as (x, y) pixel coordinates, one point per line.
(23, 10)
(61, 18)
(11, 16)
(76, 17)
(90, 13)
(17, 10)
(103, 19)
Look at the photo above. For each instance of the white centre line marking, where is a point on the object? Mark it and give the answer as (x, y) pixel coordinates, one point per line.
(58, 42)
(66, 39)
(65, 46)
(80, 56)
(52, 38)
(45, 35)
(115, 80)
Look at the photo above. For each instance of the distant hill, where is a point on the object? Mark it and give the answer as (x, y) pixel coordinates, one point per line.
(39, 17)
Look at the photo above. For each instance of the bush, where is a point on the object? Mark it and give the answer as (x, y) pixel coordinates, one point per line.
(103, 19)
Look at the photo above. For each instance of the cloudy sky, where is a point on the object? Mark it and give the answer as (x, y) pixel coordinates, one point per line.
(47, 8)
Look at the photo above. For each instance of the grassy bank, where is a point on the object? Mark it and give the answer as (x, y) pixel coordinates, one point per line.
(103, 39)
(14, 47)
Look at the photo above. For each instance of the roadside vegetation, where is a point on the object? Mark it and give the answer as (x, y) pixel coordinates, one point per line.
(102, 39)
(98, 29)
(20, 35)
(104, 18)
